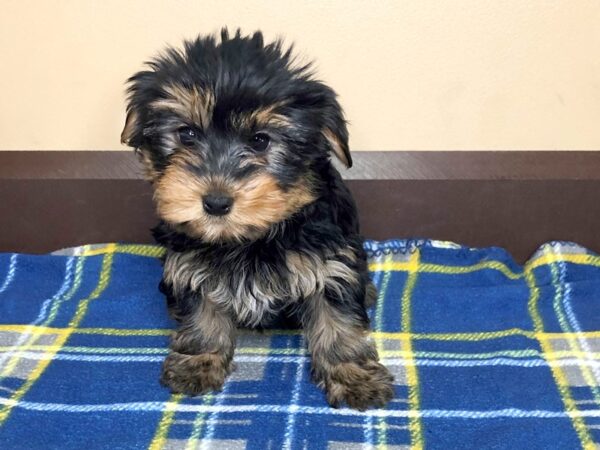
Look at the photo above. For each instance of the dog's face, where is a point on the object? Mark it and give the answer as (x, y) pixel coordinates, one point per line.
(233, 135)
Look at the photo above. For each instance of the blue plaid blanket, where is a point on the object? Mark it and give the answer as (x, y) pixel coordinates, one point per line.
(485, 353)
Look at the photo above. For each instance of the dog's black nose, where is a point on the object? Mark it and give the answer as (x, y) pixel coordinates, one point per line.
(217, 204)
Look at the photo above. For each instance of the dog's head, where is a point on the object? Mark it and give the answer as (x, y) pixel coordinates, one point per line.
(233, 135)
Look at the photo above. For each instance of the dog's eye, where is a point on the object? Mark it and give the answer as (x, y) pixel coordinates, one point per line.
(260, 142)
(187, 136)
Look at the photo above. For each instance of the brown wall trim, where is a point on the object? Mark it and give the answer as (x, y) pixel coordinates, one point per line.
(515, 200)
(405, 165)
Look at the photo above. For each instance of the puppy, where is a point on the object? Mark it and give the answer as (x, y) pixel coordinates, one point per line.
(236, 140)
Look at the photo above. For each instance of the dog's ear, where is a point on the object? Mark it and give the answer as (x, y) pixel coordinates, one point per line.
(132, 132)
(133, 136)
(336, 133)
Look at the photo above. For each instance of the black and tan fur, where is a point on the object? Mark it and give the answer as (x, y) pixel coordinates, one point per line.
(257, 222)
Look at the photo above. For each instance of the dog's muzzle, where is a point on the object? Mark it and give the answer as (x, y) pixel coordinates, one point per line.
(217, 204)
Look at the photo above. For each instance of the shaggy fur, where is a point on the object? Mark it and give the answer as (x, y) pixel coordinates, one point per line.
(236, 140)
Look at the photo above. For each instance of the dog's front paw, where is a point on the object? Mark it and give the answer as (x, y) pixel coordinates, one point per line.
(359, 385)
(194, 374)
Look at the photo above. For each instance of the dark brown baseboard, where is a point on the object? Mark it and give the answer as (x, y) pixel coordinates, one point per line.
(515, 200)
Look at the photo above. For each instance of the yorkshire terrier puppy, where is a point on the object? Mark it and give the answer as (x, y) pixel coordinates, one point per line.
(236, 140)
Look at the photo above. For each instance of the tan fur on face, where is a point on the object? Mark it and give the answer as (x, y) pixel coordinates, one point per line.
(263, 117)
(258, 202)
(178, 194)
(195, 105)
(150, 173)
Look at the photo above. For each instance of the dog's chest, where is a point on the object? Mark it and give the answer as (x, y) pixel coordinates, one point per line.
(251, 289)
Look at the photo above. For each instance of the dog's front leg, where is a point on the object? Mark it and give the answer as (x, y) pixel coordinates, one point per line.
(344, 361)
(201, 351)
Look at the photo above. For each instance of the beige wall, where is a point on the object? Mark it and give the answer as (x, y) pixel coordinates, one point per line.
(412, 74)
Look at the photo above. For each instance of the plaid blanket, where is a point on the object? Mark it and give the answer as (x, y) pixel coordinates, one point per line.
(485, 353)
